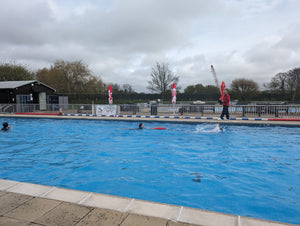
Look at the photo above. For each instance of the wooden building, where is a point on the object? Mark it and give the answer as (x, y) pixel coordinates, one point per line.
(27, 92)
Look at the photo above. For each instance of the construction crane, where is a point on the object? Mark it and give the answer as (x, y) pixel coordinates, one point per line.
(215, 77)
(222, 87)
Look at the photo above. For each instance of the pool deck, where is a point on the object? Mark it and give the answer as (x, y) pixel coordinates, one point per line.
(33, 204)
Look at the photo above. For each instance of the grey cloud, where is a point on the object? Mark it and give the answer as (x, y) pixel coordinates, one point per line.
(23, 22)
(121, 40)
(283, 53)
(290, 40)
(134, 25)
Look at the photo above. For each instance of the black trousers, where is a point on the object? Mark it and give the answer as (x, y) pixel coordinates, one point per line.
(225, 112)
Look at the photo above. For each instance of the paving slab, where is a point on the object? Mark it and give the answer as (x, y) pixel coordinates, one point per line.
(138, 220)
(7, 221)
(66, 195)
(174, 223)
(107, 202)
(202, 217)
(5, 184)
(245, 221)
(64, 214)
(154, 209)
(29, 189)
(98, 217)
(34, 224)
(32, 209)
(10, 201)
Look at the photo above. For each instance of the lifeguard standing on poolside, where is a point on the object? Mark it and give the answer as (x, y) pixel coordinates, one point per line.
(225, 103)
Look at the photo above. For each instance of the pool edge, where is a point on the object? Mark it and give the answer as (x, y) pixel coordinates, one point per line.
(176, 119)
(132, 206)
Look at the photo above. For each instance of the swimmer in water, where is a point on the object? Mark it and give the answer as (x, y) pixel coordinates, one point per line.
(141, 126)
(5, 127)
(217, 129)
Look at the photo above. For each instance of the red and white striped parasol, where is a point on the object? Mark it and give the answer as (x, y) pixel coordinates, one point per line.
(110, 98)
(173, 93)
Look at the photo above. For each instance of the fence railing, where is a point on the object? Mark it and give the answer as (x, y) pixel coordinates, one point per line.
(262, 111)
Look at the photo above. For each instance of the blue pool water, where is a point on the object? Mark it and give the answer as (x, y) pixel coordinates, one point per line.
(245, 170)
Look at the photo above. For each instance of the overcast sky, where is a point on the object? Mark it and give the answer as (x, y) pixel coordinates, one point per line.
(120, 40)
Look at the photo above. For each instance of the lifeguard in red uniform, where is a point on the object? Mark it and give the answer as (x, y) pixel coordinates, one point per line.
(225, 103)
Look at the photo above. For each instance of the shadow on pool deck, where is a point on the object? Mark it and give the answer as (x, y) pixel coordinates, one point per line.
(33, 204)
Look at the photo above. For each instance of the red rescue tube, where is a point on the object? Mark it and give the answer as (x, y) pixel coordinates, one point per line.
(282, 119)
(161, 128)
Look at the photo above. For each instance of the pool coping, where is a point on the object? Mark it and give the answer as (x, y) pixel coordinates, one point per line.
(172, 118)
(168, 212)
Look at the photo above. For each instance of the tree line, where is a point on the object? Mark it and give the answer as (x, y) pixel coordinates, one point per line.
(77, 81)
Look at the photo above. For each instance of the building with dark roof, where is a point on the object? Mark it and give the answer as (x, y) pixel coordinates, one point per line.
(30, 92)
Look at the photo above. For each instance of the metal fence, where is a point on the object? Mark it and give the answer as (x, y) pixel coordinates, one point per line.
(261, 111)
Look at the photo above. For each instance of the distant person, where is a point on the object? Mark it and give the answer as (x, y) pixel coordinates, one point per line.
(225, 103)
(5, 126)
(81, 109)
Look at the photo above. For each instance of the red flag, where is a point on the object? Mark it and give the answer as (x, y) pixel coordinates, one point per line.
(110, 99)
(222, 90)
(173, 93)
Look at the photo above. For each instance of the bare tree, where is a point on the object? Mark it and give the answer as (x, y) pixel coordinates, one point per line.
(75, 74)
(278, 83)
(71, 77)
(127, 88)
(286, 84)
(244, 89)
(162, 79)
(293, 83)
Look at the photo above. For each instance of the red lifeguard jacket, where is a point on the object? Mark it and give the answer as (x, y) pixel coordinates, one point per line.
(226, 100)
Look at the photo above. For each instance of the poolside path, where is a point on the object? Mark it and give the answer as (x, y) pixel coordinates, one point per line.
(19, 209)
(33, 204)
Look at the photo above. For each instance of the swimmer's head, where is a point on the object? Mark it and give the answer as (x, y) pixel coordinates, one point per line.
(5, 125)
(141, 126)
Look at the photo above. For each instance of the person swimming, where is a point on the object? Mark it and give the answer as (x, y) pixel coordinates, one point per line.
(216, 129)
(141, 126)
(5, 126)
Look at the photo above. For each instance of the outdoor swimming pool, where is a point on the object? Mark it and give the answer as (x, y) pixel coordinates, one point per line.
(245, 170)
